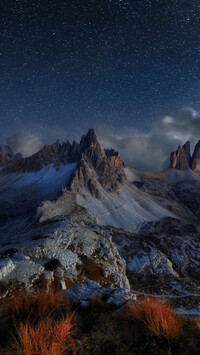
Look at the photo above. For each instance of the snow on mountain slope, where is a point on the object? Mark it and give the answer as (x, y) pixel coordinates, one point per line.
(19, 190)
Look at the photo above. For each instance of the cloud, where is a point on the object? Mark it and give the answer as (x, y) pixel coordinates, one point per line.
(25, 143)
(29, 139)
(186, 126)
(151, 152)
(143, 151)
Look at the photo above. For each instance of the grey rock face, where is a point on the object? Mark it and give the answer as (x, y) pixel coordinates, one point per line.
(195, 163)
(164, 263)
(25, 271)
(181, 158)
(6, 266)
(97, 166)
(78, 252)
(186, 148)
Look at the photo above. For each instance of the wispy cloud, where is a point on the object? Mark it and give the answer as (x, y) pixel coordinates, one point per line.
(25, 143)
(151, 151)
(144, 151)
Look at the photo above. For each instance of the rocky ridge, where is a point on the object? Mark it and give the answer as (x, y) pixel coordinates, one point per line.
(182, 159)
(97, 164)
(7, 155)
(93, 162)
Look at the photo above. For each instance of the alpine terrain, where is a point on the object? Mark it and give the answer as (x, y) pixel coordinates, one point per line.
(76, 213)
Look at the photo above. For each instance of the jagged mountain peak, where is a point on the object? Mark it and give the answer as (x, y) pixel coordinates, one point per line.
(181, 158)
(95, 166)
(90, 138)
(91, 142)
(57, 153)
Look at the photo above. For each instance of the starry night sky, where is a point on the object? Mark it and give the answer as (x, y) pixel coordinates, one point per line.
(70, 65)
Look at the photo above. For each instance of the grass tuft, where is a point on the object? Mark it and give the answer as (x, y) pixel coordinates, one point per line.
(24, 304)
(45, 338)
(41, 322)
(158, 316)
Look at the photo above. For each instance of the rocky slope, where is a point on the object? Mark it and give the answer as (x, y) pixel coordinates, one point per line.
(65, 249)
(75, 212)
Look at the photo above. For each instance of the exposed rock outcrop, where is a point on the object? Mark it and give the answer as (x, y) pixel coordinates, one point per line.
(195, 163)
(97, 167)
(181, 158)
(186, 148)
(72, 251)
(6, 266)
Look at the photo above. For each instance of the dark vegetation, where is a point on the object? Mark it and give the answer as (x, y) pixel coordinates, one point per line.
(41, 322)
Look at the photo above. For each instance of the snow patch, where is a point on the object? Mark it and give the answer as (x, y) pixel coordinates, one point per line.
(34, 187)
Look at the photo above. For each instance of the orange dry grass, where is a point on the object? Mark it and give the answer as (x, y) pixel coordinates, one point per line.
(158, 316)
(47, 338)
(198, 323)
(25, 304)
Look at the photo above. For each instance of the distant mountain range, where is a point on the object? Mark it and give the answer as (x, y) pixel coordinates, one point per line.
(81, 207)
(65, 152)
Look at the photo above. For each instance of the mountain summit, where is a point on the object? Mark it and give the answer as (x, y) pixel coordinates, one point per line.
(182, 160)
(94, 164)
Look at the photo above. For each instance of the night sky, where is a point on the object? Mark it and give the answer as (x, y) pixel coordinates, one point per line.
(70, 65)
